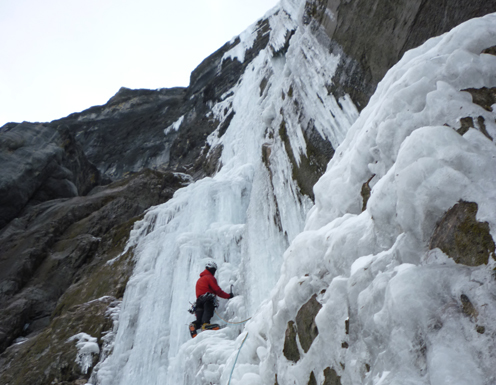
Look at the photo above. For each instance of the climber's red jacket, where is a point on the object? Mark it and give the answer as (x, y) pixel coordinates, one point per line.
(208, 284)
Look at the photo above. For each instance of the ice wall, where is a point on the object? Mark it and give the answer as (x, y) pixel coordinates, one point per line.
(393, 311)
(244, 217)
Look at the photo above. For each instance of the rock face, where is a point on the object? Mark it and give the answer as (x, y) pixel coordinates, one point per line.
(290, 350)
(40, 163)
(462, 237)
(49, 357)
(161, 129)
(373, 36)
(305, 328)
(50, 248)
(305, 321)
(331, 377)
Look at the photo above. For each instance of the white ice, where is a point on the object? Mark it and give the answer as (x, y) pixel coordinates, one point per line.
(87, 347)
(403, 302)
(244, 218)
(371, 268)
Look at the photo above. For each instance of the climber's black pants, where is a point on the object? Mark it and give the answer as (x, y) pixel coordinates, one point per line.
(205, 306)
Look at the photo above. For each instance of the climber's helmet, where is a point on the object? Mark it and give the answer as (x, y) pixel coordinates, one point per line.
(211, 266)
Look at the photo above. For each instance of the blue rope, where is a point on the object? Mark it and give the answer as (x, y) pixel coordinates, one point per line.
(236, 360)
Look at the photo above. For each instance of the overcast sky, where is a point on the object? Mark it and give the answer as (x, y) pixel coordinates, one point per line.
(63, 56)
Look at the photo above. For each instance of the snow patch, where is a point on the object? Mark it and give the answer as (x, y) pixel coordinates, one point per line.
(87, 347)
(174, 126)
(246, 40)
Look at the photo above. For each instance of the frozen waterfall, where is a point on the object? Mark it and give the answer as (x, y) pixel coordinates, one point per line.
(244, 217)
(390, 310)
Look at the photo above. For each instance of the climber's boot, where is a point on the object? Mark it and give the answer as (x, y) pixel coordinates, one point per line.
(207, 326)
(192, 330)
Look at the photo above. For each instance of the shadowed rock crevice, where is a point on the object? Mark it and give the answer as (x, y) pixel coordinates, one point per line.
(312, 380)
(331, 377)
(468, 122)
(468, 308)
(304, 328)
(484, 97)
(290, 349)
(305, 323)
(313, 164)
(490, 50)
(365, 193)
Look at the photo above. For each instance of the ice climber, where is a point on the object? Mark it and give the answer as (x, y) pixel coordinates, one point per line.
(206, 290)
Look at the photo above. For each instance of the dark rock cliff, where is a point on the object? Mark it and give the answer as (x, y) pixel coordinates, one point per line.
(52, 245)
(40, 163)
(133, 129)
(372, 36)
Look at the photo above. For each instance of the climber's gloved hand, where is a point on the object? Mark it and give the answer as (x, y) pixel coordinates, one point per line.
(231, 295)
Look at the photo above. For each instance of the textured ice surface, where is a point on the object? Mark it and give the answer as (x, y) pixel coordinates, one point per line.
(407, 321)
(244, 218)
(370, 270)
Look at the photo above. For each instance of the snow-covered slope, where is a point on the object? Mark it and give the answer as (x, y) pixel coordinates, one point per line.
(384, 309)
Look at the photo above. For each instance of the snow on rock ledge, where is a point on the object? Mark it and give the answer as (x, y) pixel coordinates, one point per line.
(87, 348)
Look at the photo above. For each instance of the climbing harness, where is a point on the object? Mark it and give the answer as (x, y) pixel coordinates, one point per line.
(192, 309)
(202, 299)
(233, 323)
(236, 360)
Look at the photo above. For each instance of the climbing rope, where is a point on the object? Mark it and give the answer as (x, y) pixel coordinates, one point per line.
(236, 360)
(233, 323)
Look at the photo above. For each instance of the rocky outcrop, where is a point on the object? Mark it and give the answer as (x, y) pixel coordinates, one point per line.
(462, 237)
(310, 167)
(162, 129)
(40, 163)
(304, 328)
(50, 357)
(305, 321)
(372, 36)
(53, 244)
(331, 377)
(290, 349)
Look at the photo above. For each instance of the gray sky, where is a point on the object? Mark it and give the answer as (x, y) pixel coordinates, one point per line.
(63, 56)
